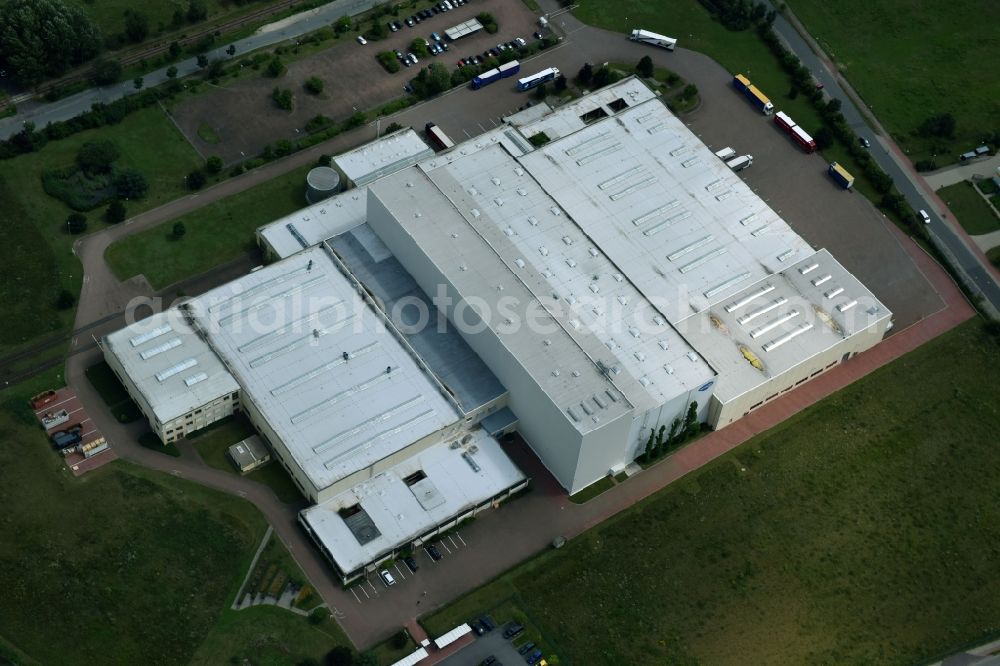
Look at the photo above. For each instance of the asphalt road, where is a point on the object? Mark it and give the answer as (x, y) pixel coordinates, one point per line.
(897, 166)
(43, 113)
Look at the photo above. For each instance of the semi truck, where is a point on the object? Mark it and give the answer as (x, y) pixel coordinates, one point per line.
(486, 78)
(67, 438)
(841, 175)
(799, 135)
(647, 37)
(740, 163)
(509, 69)
(537, 79)
(440, 140)
(756, 97)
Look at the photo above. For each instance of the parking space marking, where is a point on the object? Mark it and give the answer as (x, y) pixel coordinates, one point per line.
(356, 595)
(49, 407)
(399, 571)
(429, 555)
(461, 539)
(453, 542)
(444, 546)
(374, 591)
(365, 591)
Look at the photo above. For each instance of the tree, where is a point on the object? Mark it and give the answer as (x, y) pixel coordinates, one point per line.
(275, 68)
(179, 230)
(283, 98)
(213, 164)
(541, 91)
(216, 69)
(419, 47)
(314, 85)
(400, 639)
(675, 428)
(197, 11)
(44, 38)
(833, 106)
(137, 82)
(560, 83)
(174, 50)
(658, 448)
(76, 223)
(97, 156)
(823, 137)
(324, 160)
(171, 72)
(647, 453)
(367, 658)
(603, 77)
(645, 66)
(393, 127)
(357, 120)
(438, 79)
(377, 29)
(115, 212)
(942, 125)
(585, 75)
(65, 300)
(342, 25)
(131, 184)
(202, 61)
(106, 72)
(136, 26)
(231, 50)
(691, 424)
(196, 179)
(340, 656)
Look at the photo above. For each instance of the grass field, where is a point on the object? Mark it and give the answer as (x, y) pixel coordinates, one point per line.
(217, 233)
(267, 636)
(911, 59)
(119, 566)
(864, 530)
(592, 491)
(213, 442)
(38, 260)
(971, 211)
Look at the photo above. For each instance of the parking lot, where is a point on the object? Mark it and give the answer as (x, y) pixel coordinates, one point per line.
(407, 583)
(245, 118)
(490, 644)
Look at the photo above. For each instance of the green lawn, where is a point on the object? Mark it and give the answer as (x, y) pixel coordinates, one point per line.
(122, 565)
(38, 260)
(864, 530)
(217, 233)
(911, 59)
(592, 491)
(972, 212)
(267, 636)
(213, 442)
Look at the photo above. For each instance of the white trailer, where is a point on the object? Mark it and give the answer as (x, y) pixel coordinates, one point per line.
(648, 37)
(740, 163)
(726, 153)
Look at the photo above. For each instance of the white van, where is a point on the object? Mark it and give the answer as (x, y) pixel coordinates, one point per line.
(726, 153)
(924, 216)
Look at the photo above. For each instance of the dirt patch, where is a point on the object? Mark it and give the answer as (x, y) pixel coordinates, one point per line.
(243, 118)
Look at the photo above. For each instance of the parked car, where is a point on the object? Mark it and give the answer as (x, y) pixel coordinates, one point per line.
(413, 58)
(409, 21)
(864, 142)
(461, 63)
(432, 549)
(411, 563)
(417, 17)
(362, 40)
(534, 657)
(387, 577)
(525, 649)
(487, 623)
(924, 216)
(538, 35)
(489, 661)
(513, 630)
(477, 628)
(443, 45)
(407, 88)
(520, 42)
(392, 26)
(435, 37)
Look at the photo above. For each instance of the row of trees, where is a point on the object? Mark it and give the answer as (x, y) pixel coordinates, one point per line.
(662, 441)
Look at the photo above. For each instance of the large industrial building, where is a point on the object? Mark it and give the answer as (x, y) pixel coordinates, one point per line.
(583, 275)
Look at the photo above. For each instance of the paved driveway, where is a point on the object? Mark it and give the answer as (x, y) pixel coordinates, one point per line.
(491, 644)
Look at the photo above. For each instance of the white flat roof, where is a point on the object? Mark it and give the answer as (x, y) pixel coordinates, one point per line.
(314, 224)
(173, 368)
(382, 156)
(678, 222)
(781, 321)
(451, 488)
(567, 119)
(588, 295)
(284, 330)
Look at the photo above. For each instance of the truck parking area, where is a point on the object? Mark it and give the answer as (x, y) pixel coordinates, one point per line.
(56, 405)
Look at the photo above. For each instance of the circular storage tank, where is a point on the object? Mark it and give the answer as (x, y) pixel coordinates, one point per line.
(321, 182)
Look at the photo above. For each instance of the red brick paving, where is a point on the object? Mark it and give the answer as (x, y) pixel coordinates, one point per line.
(67, 399)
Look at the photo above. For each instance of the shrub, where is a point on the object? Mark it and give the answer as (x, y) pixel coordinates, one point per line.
(196, 179)
(585, 75)
(276, 68)
(65, 300)
(130, 184)
(645, 66)
(393, 127)
(357, 120)
(926, 165)
(314, 85)
(342, 25)
(400, 639)
(318, 123)
(283, 98)
(178, 230)
(213, 164)
(324, 160)
(283, 147)
(340, 656)
(115, 212)
(171, 72)
(76, 223)
(97, 156)
(106, 72)
(78, 189)
(389, 61)
(419, 47)
(690, 92)
(942, 125)
(491, 28)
